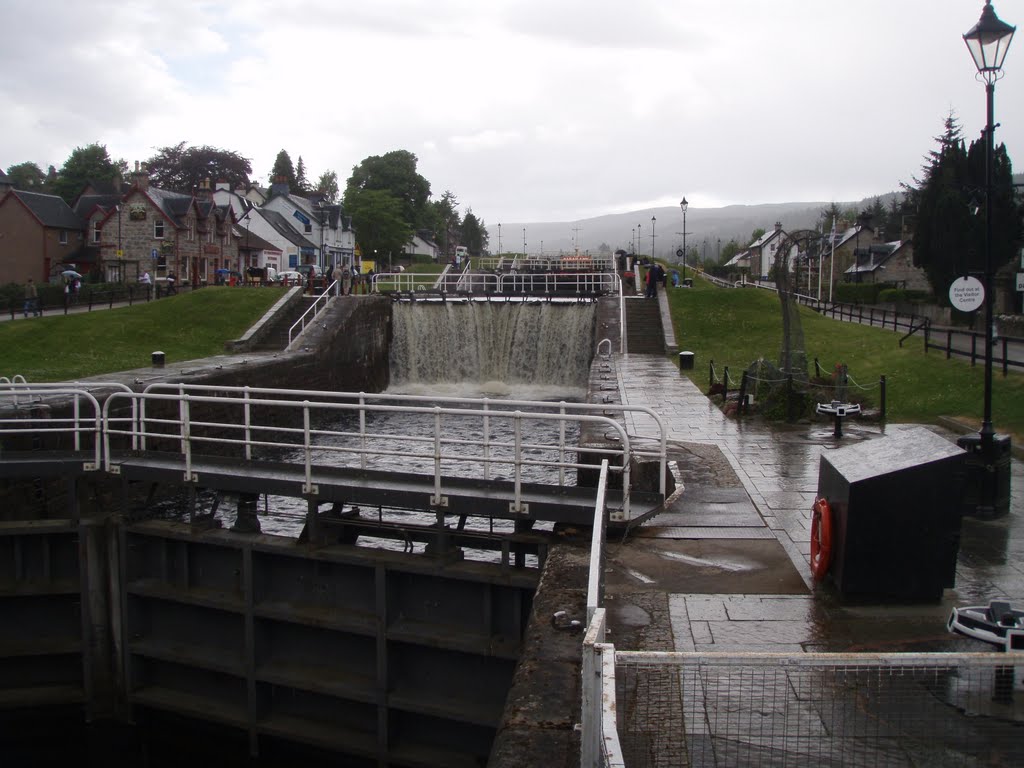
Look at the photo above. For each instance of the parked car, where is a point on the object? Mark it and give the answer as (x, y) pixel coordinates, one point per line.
(291, 277)
(310, 269)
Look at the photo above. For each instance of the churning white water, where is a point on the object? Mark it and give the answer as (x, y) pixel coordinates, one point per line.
(540, 343)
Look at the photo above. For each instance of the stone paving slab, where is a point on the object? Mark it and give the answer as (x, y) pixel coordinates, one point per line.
(778, 471)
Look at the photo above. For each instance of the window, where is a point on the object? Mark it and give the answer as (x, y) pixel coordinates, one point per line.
(63, 237)
(97, 232)
(158, 228)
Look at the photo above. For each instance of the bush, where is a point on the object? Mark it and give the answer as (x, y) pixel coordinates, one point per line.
(902, 296)
(860, 293)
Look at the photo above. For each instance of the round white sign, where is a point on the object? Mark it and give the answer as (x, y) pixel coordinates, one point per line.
(966, 294)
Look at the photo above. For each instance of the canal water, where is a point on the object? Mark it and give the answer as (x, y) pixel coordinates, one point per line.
(466, 350)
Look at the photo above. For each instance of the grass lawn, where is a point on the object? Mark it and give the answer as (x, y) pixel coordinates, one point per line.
(736, 327)
(186, 327)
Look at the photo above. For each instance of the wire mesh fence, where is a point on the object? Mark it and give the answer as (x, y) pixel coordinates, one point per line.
(818, 709)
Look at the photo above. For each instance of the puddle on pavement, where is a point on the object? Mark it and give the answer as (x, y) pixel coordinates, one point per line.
(731, 566)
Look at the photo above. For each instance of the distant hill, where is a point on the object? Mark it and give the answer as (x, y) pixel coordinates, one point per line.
(710, 224)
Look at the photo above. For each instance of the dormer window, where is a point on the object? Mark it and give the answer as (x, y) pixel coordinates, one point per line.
(97, 232)
(158, 228)
(63, 236)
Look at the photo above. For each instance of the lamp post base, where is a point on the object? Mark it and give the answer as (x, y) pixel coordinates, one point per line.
(987, 488)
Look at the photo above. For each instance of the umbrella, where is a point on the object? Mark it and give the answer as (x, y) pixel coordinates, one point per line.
(70, 273)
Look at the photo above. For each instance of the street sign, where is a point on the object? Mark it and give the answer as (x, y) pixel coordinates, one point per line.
(120, 253)
(1020, 281)
(154, 254)
(966, 294)
(679, 253)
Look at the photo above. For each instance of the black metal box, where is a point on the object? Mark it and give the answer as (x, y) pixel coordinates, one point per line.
(896, 508)
(987, 492)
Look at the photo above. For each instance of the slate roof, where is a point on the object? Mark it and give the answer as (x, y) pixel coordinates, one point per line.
(250, 241)
(85, 203)
(173, 204)
(50, 210)
(279, 223)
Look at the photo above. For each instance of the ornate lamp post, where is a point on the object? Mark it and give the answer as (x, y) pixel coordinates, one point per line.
(683, 205)
(988, 41)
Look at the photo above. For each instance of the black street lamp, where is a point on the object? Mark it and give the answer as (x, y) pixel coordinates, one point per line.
(988, 41)
(652, 237)
(683, 205)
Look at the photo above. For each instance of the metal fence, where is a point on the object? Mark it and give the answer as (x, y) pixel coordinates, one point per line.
(654, 710)
(688, 709)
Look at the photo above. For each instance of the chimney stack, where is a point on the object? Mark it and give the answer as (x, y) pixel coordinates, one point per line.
(140, 177)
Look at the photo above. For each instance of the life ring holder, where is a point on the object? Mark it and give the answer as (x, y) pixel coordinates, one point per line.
(821, 538)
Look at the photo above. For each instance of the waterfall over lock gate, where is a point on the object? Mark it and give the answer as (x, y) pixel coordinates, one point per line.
(529, 343)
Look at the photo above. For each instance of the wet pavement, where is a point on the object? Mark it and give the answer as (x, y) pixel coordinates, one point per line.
(726, 567)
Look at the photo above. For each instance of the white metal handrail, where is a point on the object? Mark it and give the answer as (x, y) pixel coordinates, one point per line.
(660, 452)
(319, 304)
(194, 426)
(405, 282)
(550, 282)
(78, 424)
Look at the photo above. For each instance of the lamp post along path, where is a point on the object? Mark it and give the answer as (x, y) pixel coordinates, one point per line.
(988, 41)
(683, 205)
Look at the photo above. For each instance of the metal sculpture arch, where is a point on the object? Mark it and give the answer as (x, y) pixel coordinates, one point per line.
(793, 255)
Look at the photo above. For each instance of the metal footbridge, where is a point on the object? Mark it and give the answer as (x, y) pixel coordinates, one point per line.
(525, 461)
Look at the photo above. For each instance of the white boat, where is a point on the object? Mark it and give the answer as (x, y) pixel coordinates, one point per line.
(997, 624)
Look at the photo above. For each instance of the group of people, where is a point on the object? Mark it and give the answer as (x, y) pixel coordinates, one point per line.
(655, 275)
(348, 279)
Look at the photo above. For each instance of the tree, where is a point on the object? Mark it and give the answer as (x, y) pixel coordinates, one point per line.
(183, 169)
(378, 221)
(327, 185)
(301, 182)
(86, 164)
(395, 173)
(28, 177)
(949, 241)
(284, 171)
(756, 234)
(443, 219)
(474, 233)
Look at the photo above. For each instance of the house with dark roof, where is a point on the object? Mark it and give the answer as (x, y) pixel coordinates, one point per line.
(317, 220)
(38, 235)
(889, 263)
(763, 252)
(159, 231)
(270, 225)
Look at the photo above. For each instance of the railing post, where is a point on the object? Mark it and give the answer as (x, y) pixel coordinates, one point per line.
(789, 397)
(1006, 364)
(711, 374)
(725, 385)
(817, 369)
(743, 394)
(881, 397)
(949, 346)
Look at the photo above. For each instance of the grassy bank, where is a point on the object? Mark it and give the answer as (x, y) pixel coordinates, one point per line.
(185, 327)
(736, 327)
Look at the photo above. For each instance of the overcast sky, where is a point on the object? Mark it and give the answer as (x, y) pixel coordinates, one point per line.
(528, 110)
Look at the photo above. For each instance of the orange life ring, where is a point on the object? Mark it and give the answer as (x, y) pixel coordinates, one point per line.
(821, 538)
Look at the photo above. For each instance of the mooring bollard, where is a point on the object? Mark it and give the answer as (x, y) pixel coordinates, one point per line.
(158, 359)
(686, 361)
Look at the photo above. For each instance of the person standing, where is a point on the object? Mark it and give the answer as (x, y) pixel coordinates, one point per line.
(346, 281)
(336, 276)
(31, 299)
